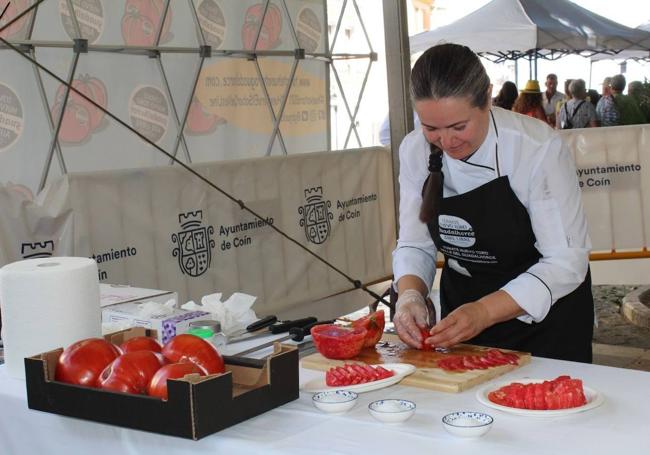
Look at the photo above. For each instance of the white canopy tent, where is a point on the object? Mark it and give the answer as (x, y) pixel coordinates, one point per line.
(512, 29)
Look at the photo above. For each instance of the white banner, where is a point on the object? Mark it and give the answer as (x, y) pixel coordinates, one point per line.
(613, 166)
(163, 228)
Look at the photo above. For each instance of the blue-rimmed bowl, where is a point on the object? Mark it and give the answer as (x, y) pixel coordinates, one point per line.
(467, 424)
(392, 411)
(335, 401)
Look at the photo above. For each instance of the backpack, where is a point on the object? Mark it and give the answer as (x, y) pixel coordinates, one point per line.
(568, 124)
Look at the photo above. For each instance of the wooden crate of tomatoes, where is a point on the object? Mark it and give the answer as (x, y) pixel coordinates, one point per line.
(184, 388)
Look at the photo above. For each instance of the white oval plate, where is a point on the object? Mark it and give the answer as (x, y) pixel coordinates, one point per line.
(401, 371)
(594, 399)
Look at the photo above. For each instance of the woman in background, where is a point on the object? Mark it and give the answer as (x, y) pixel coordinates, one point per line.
(529, 101)
(507, 96)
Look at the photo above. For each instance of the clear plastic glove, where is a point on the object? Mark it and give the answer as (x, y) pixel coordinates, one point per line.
(411, 317)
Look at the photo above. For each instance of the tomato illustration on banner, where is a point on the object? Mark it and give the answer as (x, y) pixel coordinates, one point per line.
(141, 21)
(271, 28)
(90, 17)
(309, 30)
(18, 29)
(81, 118)
(149, 112)
(200, 121)
(11, 117)
(212, 21)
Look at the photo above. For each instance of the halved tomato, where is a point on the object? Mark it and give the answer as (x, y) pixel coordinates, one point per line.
(336, 342)
(374, 324)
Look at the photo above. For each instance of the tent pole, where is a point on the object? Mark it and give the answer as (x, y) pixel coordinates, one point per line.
(591, 68)
(517, 72)
(398, 66)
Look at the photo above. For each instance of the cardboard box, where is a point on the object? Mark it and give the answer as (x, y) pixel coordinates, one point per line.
(112, 294)
(197, 406)
(166, 327)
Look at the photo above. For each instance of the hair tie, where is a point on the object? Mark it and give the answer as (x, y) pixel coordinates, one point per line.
(435, 159)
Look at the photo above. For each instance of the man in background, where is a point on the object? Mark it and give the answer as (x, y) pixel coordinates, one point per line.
(551, 98)
(629, 112)
(606, 109)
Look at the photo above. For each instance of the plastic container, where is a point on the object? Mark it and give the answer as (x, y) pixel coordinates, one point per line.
(210, 331)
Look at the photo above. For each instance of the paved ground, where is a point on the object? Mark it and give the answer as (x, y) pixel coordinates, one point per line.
(617, 342)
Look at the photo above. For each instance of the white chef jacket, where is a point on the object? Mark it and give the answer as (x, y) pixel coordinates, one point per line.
(542, 174)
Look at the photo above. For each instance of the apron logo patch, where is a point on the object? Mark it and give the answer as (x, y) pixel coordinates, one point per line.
(456, 231)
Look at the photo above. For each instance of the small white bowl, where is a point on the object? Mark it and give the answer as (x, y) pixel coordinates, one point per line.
(335, 401)
(392, 411)
(467, 424)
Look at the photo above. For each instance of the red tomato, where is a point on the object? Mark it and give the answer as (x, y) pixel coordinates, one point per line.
(14, 8)
(141, 21)
(140, 344)
(158, 384)
(190, 348)
(82, 362)
(271, 28)
(425, 334)
(76, 123)
(374, 324)
(336, 342)
(130, 372)
(199, 120)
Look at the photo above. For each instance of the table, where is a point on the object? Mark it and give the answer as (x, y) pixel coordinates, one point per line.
(620, 426)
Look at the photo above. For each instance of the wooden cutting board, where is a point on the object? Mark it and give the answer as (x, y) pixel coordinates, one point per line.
(427, 375)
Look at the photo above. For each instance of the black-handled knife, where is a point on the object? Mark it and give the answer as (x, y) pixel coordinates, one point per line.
(264, 322)
(285, 326)
(299, 333)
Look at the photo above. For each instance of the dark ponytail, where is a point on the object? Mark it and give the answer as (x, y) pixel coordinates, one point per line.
(432, 190)
(445, 71)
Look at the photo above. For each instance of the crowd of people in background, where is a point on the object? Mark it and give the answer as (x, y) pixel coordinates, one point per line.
(578, 107)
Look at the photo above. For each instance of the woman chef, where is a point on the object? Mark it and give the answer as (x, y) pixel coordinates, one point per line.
(497, 194)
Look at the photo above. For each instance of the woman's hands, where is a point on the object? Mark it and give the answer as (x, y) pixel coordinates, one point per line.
(470, 319)
(462, 324)
(411, 316)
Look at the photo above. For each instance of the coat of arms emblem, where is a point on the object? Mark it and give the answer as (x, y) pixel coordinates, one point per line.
(194, 244)
(316, 215)
(37, 249)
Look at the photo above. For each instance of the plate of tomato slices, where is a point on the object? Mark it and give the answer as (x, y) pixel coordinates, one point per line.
(541, 397)
(398, 372)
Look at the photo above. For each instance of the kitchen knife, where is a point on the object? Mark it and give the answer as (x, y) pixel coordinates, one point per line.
(296, 333)
(285, 326)
(299, 333)
(257, 325)
(282, 326)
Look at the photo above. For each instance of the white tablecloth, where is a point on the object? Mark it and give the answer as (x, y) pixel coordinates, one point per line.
(621, 426)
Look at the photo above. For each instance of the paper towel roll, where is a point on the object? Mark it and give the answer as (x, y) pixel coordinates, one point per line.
(47, 303)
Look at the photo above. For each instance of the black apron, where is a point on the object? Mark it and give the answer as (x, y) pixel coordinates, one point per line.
(487, 231)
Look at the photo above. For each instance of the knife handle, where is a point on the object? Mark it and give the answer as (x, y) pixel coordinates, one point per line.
(287, 325)
(299, 333)
(260, 324)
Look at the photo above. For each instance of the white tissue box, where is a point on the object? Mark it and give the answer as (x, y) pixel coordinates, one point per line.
(166, 327)
(112, 294)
